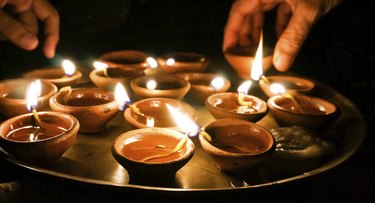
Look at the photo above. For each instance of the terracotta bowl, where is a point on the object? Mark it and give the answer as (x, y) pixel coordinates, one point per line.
(125, 59)
(317, 113)
(292, 84)
(93, 107)
(167, 86)
(165, 167)
(155, 108)
(225, 105)
(55, 75)
(46, 150)
(116, 75)
(242, 58)
(237, 145)
(183, 62)
(13, 96)
(200, 87)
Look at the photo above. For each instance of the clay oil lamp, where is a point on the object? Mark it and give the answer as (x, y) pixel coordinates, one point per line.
(160, 86)
(126, 59)
(156, 153)
(183, 62)
(61, 77)
(292, 84)
(38, 137)
(107, 77)
(12, 96)
(153, 112)
(93, 107)
(202, 85)
(236, 145)
(301, 110)
(237, 105)
(241, 58)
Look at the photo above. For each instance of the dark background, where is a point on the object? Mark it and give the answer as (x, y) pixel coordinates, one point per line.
(338, 52)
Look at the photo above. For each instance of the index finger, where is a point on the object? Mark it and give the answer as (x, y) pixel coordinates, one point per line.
(49, 16)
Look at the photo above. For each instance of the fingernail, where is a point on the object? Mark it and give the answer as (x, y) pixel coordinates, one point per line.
(29, 42)
(283, 62)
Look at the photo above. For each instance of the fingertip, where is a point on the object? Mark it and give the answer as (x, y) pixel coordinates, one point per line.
(282, 62)
(29, 42)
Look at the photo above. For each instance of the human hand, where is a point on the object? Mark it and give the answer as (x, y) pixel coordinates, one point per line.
(19, 24)
(293, 23)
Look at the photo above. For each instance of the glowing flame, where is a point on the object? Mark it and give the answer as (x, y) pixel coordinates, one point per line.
(277, 88)
(32, 95)
(152, 62)
(217, 83)
(150, 122)
(38, 87)
(170, 62)
(121, 96)
(257, 67)
(69, 67)
(151, 85)
(99, 65)
(244, 87)
(184, 122)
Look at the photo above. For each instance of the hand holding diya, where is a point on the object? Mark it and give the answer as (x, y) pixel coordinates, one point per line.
(67, 76)
(237, 105)
(38, 137)
(300, 110)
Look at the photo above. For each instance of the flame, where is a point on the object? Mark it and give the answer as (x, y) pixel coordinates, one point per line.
(99, 65)
(32, 95)
(184, 122)
(170, 62)
(38, 86)
(150, 122)
(277, 88)
(69, 67)
(121, 96)
(244, 87)
(257, 67)
(151, 85)
(217, 83)
(152, 62)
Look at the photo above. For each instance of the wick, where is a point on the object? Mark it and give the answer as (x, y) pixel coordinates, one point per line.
(206, 135)
(295, 102)
(67, 89)
(265, 79)
(37, 119)
(38, 125)
(105, 72)
(176, 149)
(242, 102)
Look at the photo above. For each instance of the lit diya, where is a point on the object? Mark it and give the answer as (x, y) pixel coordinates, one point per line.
(237, 105)
(236, 145)
(292, 84)
(38, 137)
(202, 85)
(301, 110)
(107, 77)
(13, 91)
(153, 153)
(93, 107)
(67, 76)
(160, 86)
(183, 62)
(240, 58)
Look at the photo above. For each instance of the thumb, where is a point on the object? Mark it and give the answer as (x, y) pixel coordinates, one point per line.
(294, 35)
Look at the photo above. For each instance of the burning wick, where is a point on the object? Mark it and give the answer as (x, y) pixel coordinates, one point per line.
(257, 67)
(69, 67)
(170, 62)
(152, 62)
(34, 90)
(277, 88)
(186, 124)
(242, 92)
(217, 83)
(123, 100)
(101, 66)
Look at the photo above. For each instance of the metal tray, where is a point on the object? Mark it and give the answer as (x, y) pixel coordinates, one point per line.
(90, 160)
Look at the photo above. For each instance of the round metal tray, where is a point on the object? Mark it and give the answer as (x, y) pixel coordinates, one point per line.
(90, 160)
